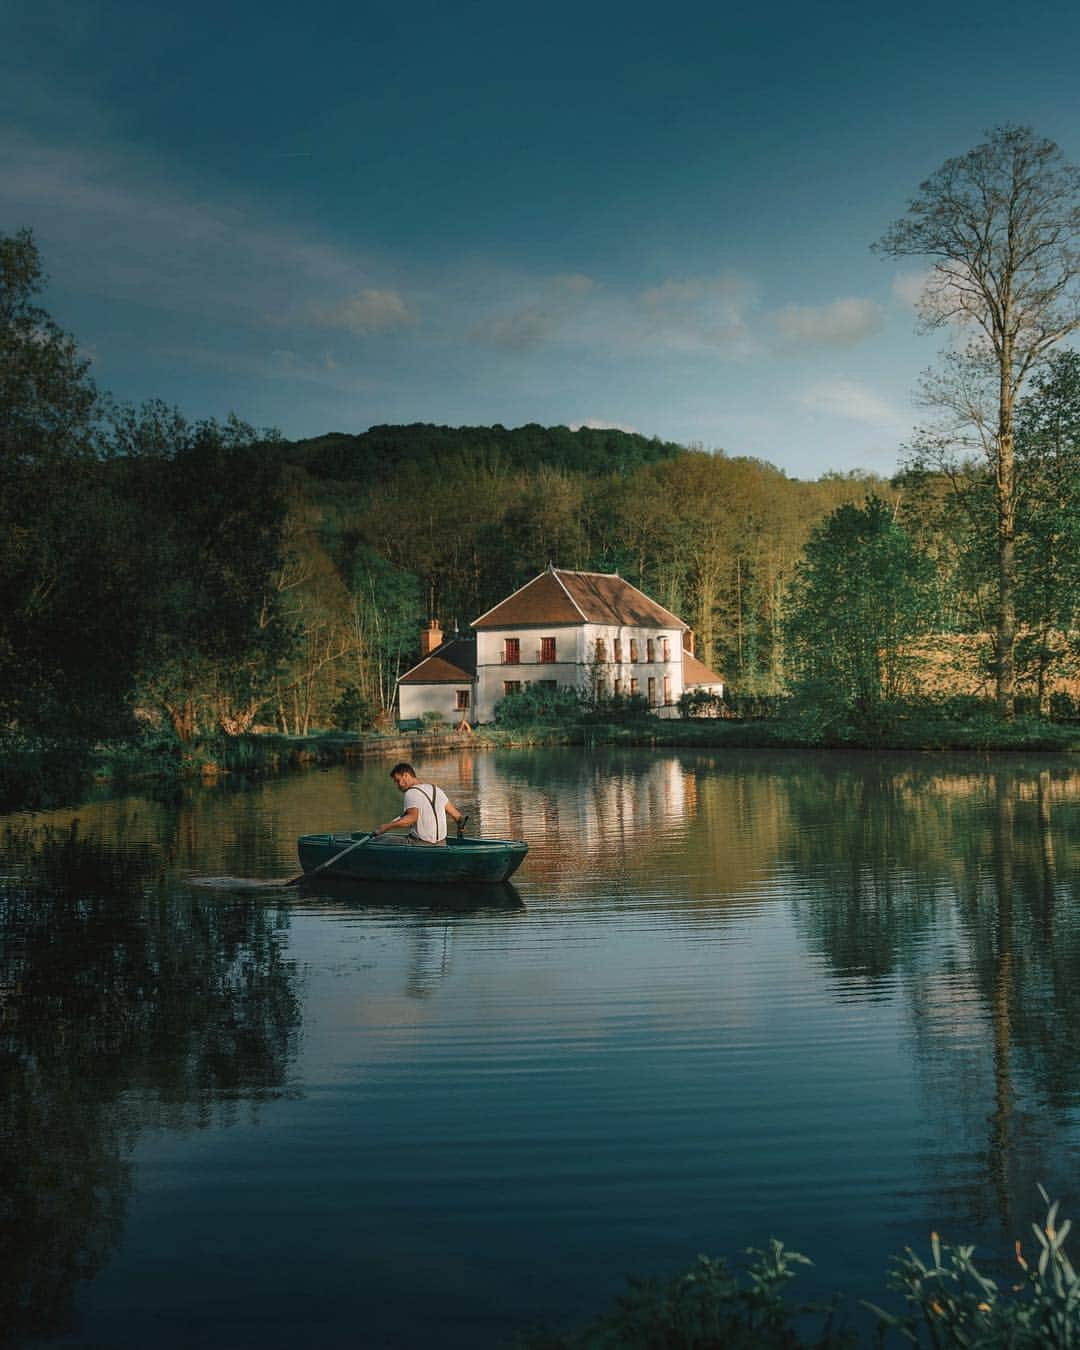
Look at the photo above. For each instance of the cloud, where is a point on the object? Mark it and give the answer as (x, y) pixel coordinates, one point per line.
(367, 312)
(908, 287)
(113, 223)
(699, 313)
(601, 424)
(843, 323)
(850, 400)
(517, 330)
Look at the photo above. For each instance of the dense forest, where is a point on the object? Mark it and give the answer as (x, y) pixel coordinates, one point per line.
(208, 578)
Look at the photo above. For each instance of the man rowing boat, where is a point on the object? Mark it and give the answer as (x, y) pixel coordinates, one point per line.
(424, 810)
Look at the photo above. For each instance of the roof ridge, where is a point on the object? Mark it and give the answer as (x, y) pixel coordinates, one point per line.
(480, 617)
(584, 616)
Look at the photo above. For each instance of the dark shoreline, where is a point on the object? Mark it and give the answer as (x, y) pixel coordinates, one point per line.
(43, 776)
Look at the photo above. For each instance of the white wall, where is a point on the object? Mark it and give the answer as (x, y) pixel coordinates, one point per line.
(416, 699)
(575, 648)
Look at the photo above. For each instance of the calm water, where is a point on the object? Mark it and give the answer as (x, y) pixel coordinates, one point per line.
(731, 996)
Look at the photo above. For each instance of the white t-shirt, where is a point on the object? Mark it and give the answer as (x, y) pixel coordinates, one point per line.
(430, 824)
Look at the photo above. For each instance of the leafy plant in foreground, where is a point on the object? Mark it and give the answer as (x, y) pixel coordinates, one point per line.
(950, 1302)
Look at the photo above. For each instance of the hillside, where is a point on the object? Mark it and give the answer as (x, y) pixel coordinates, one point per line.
(380, 451)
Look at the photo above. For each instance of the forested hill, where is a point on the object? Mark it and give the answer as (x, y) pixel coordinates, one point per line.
(380, 451)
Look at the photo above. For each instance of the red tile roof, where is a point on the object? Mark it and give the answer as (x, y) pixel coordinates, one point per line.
(452, 663)
(697, 672)
(558, 598)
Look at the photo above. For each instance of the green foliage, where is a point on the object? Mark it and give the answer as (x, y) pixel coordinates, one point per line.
(353, 710)
(65, 657)
(383, 450)
(857, 598)
(950, 1302)
(616, 708)
(709, 1307)
(213, 628)
(699, 703)
(947, 1302)
(536, 704)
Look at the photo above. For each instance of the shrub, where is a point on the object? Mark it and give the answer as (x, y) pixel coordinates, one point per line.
(536, 703)
(352, 710)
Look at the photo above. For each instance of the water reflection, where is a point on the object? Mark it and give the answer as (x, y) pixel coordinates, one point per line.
(944, 883)
(958, 885)
(126, 1003)
(436, 911)
(690, 999)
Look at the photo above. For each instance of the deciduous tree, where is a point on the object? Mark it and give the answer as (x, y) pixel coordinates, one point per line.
(1001, 227)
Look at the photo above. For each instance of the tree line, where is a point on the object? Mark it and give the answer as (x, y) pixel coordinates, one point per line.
(209, 577)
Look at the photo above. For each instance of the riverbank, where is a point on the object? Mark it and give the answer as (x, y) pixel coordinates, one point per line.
(38, 775)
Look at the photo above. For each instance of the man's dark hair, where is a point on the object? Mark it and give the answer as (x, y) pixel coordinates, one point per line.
(402, 768)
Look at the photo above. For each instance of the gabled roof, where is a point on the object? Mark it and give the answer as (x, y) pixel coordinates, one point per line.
(452, 663)
(697, 672)
(557, 597)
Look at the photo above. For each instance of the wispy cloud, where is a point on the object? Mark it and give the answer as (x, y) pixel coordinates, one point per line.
(850, 400)
(696, 313)
(842, 323)
(366, 313)
(116, 225)
(517, 330)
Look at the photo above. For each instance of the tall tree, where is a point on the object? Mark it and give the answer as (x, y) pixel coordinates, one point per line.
(1001, 226)
(856, 600)
(1048, 546)
(65, 635)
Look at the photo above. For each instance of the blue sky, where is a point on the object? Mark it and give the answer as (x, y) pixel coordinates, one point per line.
(328, 216)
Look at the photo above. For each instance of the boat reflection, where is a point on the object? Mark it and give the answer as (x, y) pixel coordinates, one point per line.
(468, 897)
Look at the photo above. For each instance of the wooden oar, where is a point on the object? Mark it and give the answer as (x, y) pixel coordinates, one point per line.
(295, 881)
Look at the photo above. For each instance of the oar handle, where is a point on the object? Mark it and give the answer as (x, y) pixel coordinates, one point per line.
(295, 881)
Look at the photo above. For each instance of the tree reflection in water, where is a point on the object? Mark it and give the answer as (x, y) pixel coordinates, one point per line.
(126, 1002)
(954, 886)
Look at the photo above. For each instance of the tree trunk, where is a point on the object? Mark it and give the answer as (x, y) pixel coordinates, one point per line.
(1006, 508)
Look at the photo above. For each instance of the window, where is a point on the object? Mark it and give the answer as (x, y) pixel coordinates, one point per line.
(618, 684)
(462, 700)
(667, 690)
(650, 648)
(665, 649)
(652, 691)
(511, 687)
(618, 649)
(601, 649)
(511, 651)
(633, 684)
(547, 649)
(633, 649)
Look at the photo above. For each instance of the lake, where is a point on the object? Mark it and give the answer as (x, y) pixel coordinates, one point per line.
(730, 995)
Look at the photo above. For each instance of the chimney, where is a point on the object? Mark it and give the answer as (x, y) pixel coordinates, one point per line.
(430, 638)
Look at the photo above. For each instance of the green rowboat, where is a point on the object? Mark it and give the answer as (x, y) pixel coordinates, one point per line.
(392, 859)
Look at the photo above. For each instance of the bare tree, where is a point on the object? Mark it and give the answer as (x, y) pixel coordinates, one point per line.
(1002, 227)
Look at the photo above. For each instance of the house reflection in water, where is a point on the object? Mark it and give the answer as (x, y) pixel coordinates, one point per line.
(602, 810)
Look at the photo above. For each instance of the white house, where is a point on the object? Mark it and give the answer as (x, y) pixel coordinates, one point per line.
(582, 630)
(442, 681)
